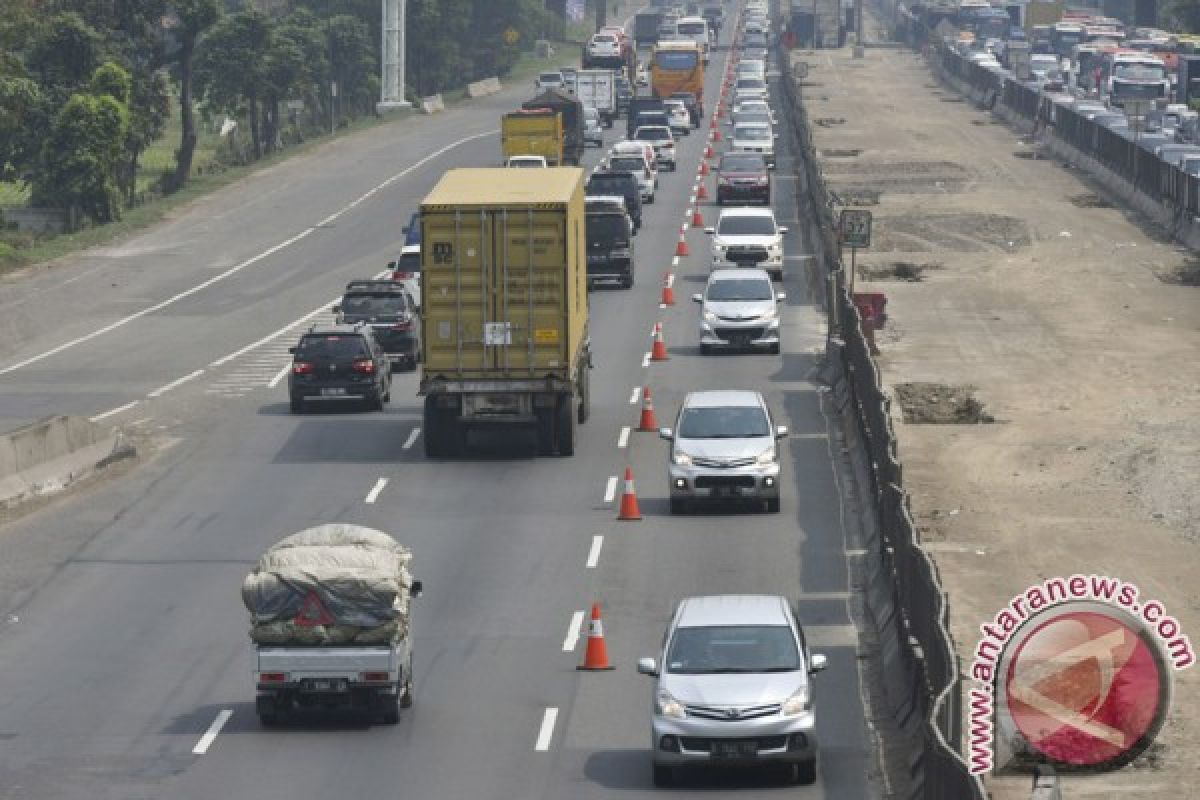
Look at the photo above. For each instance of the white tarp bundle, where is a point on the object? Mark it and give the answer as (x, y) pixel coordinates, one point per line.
(332, 584)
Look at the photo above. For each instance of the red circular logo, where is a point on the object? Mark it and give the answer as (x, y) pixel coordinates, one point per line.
(1087, 687)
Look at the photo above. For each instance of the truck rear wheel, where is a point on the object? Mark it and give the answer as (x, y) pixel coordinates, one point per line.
(544, 430)
(433, 434)
(585, 394)
(389, 707)
(565, 427)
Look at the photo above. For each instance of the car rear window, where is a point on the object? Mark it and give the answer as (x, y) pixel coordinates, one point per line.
(374, 304)
(627, 164)
(331, 345)
(746, 163)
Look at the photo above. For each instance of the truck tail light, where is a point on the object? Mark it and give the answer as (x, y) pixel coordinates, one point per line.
(365, 366)
(373, 677)
(272, 677)
(302, 368)
(403, 326)
(403, 276)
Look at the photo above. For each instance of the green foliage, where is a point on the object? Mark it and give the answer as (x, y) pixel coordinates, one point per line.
(81, 156)
(64, 53)
(231, 74)
(20, 111)
(111, 80)
(351, 59)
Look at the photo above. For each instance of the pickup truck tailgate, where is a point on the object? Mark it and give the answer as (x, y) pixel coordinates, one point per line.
(312, 661)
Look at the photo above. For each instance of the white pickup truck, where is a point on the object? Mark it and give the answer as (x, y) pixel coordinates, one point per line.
(331, 623)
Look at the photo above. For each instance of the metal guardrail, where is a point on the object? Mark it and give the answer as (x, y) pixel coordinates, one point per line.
(922, 684)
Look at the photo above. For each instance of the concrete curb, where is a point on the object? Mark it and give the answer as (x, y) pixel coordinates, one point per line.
(53, 453)
(483, 88)
(432, 104)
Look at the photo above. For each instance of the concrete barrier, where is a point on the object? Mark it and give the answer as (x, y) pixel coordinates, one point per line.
(483, 88)
(51, 454)
(432, 104)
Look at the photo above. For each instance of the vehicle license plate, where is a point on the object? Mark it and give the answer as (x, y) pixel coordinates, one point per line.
(334, 392)
(734, 749)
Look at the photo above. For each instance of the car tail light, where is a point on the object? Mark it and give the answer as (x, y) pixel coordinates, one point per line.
(403, 276)
(374, 677)
(403, 326)
(302, 368)
(272, 677)
(365, 366)
(722, 180)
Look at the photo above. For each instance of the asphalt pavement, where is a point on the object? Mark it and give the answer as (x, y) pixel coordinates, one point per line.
(124, 640)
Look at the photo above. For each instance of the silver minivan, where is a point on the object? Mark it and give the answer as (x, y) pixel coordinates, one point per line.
(733, 688)
(724, 447)
(739, 308)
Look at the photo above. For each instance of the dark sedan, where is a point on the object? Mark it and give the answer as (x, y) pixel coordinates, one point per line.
(743, 177)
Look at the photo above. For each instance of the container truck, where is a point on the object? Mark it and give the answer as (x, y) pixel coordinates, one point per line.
(532, 132)
(330, 618)
(505, 316)
(597, 88)
(570, 110)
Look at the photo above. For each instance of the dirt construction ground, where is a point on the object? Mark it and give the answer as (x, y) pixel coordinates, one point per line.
(1044, 347)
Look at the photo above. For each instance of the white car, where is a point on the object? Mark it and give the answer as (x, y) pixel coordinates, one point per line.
(407, 270)
(754, 137)
(663, 141)
(636, 164)
(748, 237)
(739, 309)
(750, 87)
(549, 80)
(604, 45)
(525, 162)
(645, 149)
(678, 116)
(593, 132)
(755, 105)
(752, 69)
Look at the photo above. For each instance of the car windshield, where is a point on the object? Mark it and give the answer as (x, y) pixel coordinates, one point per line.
(373, 305)
(744, 117)
(723, 422)
(757, 106)
(604, 38)
(331, 346)
(733, 649)
(409, 262)
(653, 134)
(607, 184)
(550, 77)
(627, 164)
(740, 290)
(746, 226)
(691, 28)
(752, 132)
(751, 83)
(745, 163)
(607, 228)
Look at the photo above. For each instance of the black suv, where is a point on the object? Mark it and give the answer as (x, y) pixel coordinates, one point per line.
(391, 312)
(339, 362)
(609, 242)
(743, 177)
(619, 184)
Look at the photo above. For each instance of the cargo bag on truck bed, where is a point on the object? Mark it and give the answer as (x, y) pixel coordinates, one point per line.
(329, 585)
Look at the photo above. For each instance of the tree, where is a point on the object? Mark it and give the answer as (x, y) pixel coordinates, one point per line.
(80, 158)
(230, 71)
(149, 110)
(351, 60)
(20, 113)
(64, 53)
(193, 18)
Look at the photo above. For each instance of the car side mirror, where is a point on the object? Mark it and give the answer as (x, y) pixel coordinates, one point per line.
(391, 265)
(783, 229)
(781, 431)
(697, 298)
(780, 297)
(666, 433)
(817, 662)
(648, 666)
(418, 588)
(710, 231)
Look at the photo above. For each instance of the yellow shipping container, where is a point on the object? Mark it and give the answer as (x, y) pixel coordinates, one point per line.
(505, 305)
(538, 132)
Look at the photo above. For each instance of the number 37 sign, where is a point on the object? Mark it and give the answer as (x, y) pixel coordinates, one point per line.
(854, 227)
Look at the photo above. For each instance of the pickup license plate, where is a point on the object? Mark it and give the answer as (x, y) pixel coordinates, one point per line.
(334, 392)
(734, 750)
(324, 685)
(742, 339)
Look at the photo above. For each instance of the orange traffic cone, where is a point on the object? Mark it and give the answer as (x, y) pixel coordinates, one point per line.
(668, 291)
(701, 194)
(648, 422)
(703, 168)
(681, 249)
(659, 351)
(595, 658)
(629, 505)
(697, 217)
(716, 134)
(708, 151)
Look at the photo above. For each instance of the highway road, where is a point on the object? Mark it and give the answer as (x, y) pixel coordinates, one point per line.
(122, 634)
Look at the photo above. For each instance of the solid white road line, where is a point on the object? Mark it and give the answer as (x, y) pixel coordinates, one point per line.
(412, 438)
(279, 376)
(373, 495)
(573, 628)
(594, 553)
(623, 438)
(610, 489)
(114, 411)
(160, 391)
(645, 361)
(239, 267)
(635, 395)
(210, 735)
(546, 731)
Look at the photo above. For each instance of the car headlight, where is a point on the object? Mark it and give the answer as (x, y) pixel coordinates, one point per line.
(766, 456)
(667, 706)
(681, 459)
(797, 703)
